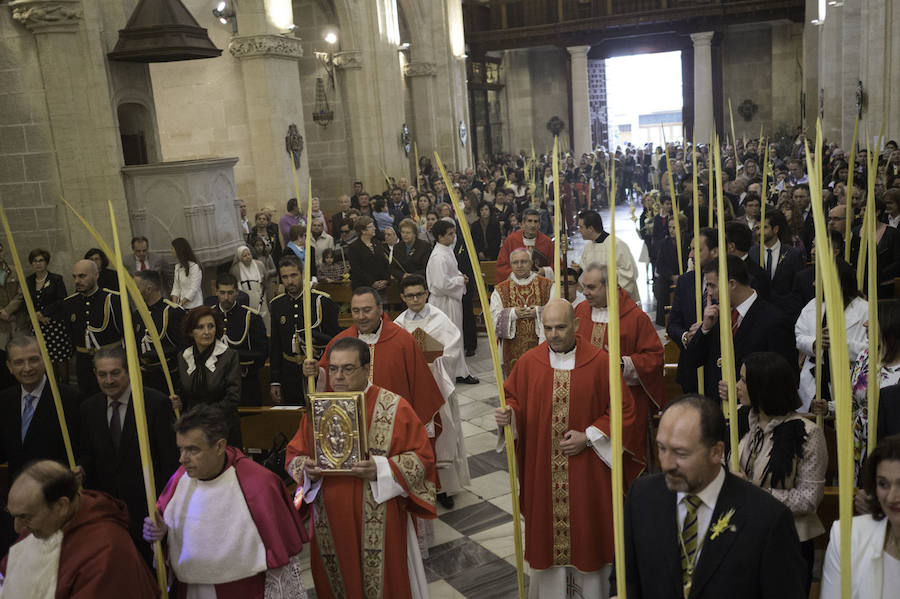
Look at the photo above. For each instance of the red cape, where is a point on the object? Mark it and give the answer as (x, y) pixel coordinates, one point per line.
(588, 489)
(98, 559)
(399, 366)
(278, 523)
(543, 244)
(343, 500)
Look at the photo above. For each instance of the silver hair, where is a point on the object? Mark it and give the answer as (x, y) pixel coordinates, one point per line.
(595, 266)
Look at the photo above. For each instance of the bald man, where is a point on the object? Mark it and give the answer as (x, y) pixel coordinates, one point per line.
(558, 396)
(75, 542)
(93, 318)
(516, 305)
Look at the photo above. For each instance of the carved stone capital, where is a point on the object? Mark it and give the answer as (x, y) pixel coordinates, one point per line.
(267, 45)
(349, 59)
(419, 69)
(47, 16)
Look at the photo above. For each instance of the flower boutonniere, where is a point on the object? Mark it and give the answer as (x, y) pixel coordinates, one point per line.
(722, 524)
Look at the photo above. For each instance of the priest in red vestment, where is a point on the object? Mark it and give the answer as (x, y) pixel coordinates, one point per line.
(641, 350)
(364, 543)
(230, 526)
(74, 544)
(559, 395)
(530, 238)
(396, 361)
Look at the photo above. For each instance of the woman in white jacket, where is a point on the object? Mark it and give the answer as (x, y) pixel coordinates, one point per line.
(875, 537)
(856, 312)
(188, 275)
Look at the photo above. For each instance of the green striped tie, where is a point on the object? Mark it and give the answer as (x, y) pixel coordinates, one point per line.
(689, 540)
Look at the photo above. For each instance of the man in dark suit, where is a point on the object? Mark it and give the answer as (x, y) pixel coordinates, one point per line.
(756, 325)
(782, 261)
(804, 287)
(108, 451)
(738, 238)
(683, 323)
(801, 197)
(245, 332)
(29, 426)
(342, 215)
(696, 531)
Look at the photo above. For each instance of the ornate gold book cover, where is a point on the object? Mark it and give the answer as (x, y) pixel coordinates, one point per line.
(339, 430)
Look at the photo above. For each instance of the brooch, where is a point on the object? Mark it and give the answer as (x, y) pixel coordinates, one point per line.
(722, 524)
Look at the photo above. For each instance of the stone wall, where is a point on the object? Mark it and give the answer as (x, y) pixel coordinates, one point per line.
(536, 91)
(747, 75)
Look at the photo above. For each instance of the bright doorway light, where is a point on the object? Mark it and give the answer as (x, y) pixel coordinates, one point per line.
(644, 96)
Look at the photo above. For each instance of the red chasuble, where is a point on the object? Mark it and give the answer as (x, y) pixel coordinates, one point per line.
(98, 559)
(639, 341)
(566, 501)
(543, 244)
(398, 365)
(278, 523)
(346, 514)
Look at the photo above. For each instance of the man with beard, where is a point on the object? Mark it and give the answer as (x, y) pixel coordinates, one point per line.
(696, 530)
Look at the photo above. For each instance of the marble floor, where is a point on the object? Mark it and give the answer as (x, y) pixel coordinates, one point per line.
(473, 553)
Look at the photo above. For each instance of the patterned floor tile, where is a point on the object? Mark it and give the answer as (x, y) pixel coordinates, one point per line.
(487, 462)
(475, 518)
(495, 579)
(456, 557)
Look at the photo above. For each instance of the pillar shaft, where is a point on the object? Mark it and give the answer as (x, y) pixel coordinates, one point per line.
(581, 113)
(704, 119)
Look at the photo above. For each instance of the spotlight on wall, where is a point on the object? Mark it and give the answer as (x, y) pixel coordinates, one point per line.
(330, 37)
(225, 14)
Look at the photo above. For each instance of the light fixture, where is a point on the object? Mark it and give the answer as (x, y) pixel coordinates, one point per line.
(225, 14)
(330, 37)
(404, 46)
(322, 113)
(326, 59)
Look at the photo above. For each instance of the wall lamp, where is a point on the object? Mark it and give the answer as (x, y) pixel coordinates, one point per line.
(225, 15)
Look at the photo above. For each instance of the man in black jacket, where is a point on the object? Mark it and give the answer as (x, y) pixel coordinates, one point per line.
(738, 238)
(29, 426)
(781, 260)
(167, 316)
(696, 531)
(756, 325)
(108, 452)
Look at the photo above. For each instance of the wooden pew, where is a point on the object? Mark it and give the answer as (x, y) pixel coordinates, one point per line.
(259, 426)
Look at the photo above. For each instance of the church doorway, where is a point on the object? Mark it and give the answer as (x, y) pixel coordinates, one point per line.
(636, 99)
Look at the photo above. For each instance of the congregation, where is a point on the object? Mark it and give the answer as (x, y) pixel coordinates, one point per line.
(233, 336)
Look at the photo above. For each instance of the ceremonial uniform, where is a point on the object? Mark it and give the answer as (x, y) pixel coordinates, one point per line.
(167, 316)
(286, 343)
(93, 321)
(245, 333)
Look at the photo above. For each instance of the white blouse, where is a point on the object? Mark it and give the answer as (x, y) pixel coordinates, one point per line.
(186, 285)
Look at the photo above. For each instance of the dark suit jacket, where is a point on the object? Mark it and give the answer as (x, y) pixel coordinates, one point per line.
(764, 328)
(367, 267)
(759, 280)
(759, 558)
(803, 290)
(684, 309)
(790, 262)
(44, 437)
(889, 411)
(223, 389)
(52, 295)
(415, 263)
(487, 241)
(121, 474)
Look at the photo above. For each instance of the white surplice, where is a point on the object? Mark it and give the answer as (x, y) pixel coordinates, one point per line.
(447, 287)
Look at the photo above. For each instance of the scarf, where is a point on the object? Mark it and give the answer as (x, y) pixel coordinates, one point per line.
(198, 379)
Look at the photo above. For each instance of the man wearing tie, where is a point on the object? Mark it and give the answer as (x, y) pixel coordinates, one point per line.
(756, 325)
(141, 258)
(108, 451)
(29, 426)
(781, 260)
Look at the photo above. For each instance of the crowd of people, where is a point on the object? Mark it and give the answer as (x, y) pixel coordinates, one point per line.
(220, 328)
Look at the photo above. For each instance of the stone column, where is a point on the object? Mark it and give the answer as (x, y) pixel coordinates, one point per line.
(831, 75)
(272, 94)
(78, 155)
(581, 113)
(704, 120)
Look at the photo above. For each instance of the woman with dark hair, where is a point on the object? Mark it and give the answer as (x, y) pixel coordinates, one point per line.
(209, 370)
(188, 275)
(368, 262)
(48, 290)
(783, 452)
(108, 278)
(486, 232)
(875, 537)
(262, 231)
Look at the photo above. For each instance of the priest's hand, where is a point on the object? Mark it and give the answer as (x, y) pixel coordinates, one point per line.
(310, 368)
(573, 443)
(365, 469)
(524, 313)
(503, 416)
(311, 471)
(154, 531)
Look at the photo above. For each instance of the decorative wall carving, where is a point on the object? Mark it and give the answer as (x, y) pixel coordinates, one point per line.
(47, 15)
(268, 45)
(420, 69)
(349, 59)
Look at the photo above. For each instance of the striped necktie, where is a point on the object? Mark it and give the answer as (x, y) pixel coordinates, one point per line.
(689, 540)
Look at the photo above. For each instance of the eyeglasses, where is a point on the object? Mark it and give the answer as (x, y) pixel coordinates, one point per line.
(346, 369)
(414, 296)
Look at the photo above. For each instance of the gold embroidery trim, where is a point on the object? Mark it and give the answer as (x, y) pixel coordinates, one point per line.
(327, 549)
(559, 467)
(413, 471)
(372, 363)
(598, 335)
(380, 432)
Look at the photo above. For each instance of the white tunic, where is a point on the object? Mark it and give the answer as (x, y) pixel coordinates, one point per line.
(449, 446)
(447, 287)
(626, 267)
